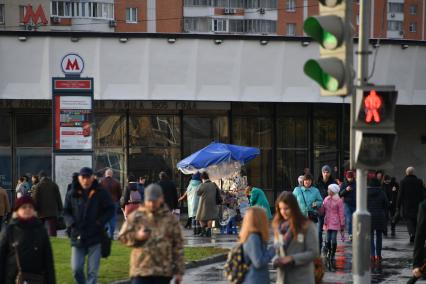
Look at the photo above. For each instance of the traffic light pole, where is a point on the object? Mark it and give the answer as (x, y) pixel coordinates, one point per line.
(361, 218)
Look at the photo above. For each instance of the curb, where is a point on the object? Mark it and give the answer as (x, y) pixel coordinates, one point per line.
(192, 264)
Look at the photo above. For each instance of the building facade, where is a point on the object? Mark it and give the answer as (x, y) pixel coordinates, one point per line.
(157, 101)
(396, 19)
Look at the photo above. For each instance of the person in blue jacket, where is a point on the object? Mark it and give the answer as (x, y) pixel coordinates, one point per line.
(258, 198)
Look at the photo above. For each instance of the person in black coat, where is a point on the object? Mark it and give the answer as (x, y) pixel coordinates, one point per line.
(25, 239)
(391, 188)
(169, 191)
(348, 192)
(88, 207)
(377, 204)
(419, 253)
(411, 194)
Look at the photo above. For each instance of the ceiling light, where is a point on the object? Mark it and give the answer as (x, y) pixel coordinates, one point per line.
(74, 39)
(123, 39)
(171, 40)
(404, 46)
(218, 41)
(22, 38)
(305, 43)
(264, 42)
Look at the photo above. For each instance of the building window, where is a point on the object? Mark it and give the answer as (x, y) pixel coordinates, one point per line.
(236, 26)
(291, 5)
(291, 29)
(61, 9)
(219, 25)
(396, 8)
(131, 15)
(413, 27)
(80, 9)
(260, 26)
(394, 26)
(1, 13)
(413, 9)
(22, 11)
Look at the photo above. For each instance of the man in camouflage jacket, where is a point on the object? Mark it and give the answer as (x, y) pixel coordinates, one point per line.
(156, 238)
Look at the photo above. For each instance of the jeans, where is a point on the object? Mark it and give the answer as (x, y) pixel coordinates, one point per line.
(151, 280)
(320, 229)
(112, 223)
(376, 244)
(332, 236)
(348, 217)
(78, 256)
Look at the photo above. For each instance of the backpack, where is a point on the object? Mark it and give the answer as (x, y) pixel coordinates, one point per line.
(135, 196)
(235, 269)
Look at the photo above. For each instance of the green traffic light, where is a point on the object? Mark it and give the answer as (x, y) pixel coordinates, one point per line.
(314, 70)
(327, 30)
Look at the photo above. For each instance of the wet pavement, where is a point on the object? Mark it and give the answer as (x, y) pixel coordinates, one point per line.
(395, 268)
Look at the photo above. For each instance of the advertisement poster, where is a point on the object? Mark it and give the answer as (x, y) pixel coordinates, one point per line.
(73, 122)
(65, 166)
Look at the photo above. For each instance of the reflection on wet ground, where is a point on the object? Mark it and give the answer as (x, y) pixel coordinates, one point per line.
(395, 268)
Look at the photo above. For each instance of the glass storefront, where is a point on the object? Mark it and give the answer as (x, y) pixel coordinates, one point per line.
(137, 139)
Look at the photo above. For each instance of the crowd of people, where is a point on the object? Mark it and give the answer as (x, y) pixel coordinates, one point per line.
(153, 231)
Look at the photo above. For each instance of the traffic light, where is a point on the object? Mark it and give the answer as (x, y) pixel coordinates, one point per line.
(333, 31)
(375, 134)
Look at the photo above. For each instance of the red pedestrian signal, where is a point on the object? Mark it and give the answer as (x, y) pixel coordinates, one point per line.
(372, 104)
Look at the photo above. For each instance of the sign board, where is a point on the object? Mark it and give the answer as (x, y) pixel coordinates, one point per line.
(72, 64)
(72, 114)
(65, 166)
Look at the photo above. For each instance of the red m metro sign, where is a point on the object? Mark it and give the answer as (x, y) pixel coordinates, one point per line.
(72, 64)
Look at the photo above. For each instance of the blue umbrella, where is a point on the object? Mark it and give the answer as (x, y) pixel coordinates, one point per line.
(217, 154)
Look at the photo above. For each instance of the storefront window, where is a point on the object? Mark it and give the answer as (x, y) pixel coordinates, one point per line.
(201, 131)
(256, 132)
(5, 133)
(292, 150)
(34, 130)
(5, 168)
(110, 130)
(154, 146)
(111, 158)
(33, 160)
(325, 137)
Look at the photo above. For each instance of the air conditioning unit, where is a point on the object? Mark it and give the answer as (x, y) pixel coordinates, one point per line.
(55, 20)
(392, 15)
(262, 11)
(112, 23)
(229, 11)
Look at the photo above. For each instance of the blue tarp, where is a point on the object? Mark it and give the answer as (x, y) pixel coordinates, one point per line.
(217, 153)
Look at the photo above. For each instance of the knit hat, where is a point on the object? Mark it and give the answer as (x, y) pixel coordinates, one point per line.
(349, 174)
(86, 171)
(334, 188)
(326, 168)
(153, 192)
(22, 201)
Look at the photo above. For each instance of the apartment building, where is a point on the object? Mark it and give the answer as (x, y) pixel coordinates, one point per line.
(397, 19)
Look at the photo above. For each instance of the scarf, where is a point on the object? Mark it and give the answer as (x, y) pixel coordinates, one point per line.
(286, 233)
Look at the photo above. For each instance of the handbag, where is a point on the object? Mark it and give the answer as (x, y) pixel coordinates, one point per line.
(312, 215)
(25, 277)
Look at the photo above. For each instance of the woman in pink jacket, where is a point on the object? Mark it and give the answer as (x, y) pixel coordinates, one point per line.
(334, 221)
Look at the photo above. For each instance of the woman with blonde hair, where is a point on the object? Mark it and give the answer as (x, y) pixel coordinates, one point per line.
(296, 241)
(254, 236)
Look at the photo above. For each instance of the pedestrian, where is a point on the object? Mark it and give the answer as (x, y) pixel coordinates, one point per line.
(48, 202)
(296, 240)
(257, 197)
(207, 208)
(254, 237)
(348, 193)
(324, 180)
(411, 194)
(132, 196)
(380, 176)
(377, 205)
(419, 253)
(391, 188)
(4, 206)
(35, 179)
(114, 188)
(156, 238)
(310, 201)
(88, 208)
(334, 221)
(169, 191)
(193, 200)
(22, 187)
(25, 247)
(74, 182)
(142, 183)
